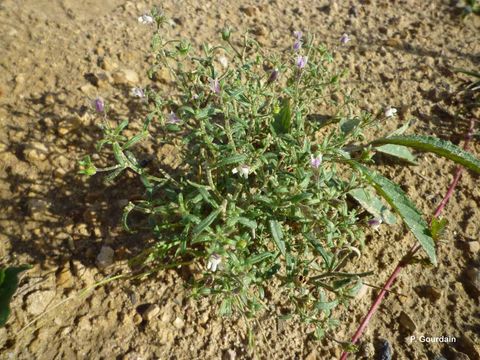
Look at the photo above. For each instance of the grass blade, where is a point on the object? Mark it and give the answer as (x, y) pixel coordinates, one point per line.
(277, 233)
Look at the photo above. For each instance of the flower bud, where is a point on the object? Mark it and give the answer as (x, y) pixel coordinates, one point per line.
(273, 76)
(226, 32)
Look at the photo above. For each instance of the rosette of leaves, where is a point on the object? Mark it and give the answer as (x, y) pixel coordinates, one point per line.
(247, 191)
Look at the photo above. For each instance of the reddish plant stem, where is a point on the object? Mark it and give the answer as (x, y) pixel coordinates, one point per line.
(408, 257)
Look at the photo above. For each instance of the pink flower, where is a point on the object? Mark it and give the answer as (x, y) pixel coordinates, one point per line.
(316, 161)
(345, 39)
(301, 61)
(173, 118)
(99, 105)
(375, 223)
(215, 86)
(298, 40)
(137, 92)
(273, 76)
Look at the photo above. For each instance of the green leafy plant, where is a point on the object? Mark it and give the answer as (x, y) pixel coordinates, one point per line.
(272, 156)
(8, 286)
(470, 7)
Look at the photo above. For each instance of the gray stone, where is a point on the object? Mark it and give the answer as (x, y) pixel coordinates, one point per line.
(105, 257)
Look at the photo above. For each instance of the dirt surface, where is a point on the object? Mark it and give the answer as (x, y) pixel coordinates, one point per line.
(58, 55)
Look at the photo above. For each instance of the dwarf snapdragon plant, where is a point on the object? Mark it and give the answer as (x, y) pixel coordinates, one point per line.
(271, 158)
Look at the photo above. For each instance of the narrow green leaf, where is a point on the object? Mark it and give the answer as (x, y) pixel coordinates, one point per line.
(437, 146)
(207, 197)
(135, 139)
(119, 155)
(126, 212)
(400, 130)
(259, 258)
(300, 197)
(319, 248)
(110, 177)
(399, 201)
(252, 224)
(277, 233)
(371, 203)
(121, 126)
(235, 159)
(197, 230)
(399, 151)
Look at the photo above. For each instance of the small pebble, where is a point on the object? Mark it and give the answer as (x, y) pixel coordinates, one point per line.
(473, 280)
(105, 257)
(384, 350)
(125, 77)
(473, 247)
(406, 322)
(179, 323)
(35, 152)
(430, 292)
(152, 311)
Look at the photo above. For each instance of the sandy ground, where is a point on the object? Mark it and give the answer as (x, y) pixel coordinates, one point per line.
(58, 55)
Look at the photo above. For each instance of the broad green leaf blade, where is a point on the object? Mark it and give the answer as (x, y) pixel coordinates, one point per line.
(277, 234)
(283, 119)
(7, 289)
(399, 151)
(437, 146)
(399, 201)
(371, 203)
(206, 222)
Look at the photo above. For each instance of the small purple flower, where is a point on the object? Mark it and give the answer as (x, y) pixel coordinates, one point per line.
(301, 61)
(273, 76)
(215, 86)
(173, 118)
(344, 39)
(137, 92)
(298, 40)
(316, 161)
(375, 223)
(99, 105)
